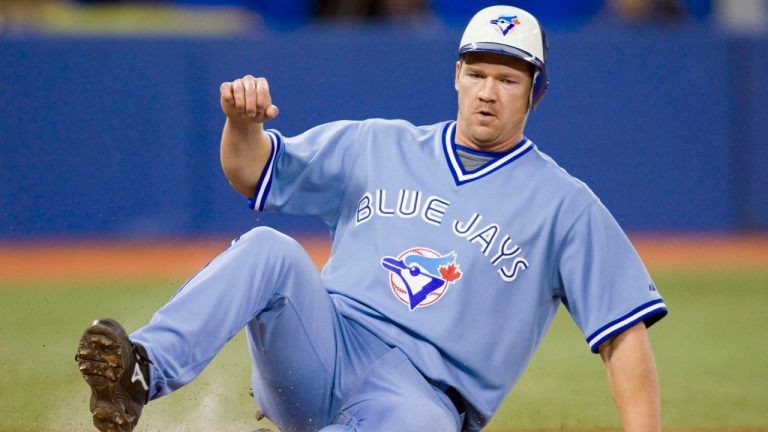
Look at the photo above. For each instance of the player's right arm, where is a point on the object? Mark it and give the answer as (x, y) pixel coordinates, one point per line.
(245, 147)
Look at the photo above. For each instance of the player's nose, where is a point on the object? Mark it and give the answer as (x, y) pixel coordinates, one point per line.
(487, 91)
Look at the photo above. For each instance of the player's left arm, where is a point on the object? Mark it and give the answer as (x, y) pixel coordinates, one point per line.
(633, 379)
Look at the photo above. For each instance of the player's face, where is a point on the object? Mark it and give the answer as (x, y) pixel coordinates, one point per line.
(494, 91)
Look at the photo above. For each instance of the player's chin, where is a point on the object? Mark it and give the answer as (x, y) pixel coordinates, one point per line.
(485, 136)
(487, 124)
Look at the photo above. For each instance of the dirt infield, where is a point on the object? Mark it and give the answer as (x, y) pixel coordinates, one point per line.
(143, 260)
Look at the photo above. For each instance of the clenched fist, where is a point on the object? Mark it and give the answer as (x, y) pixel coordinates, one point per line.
(247, 99)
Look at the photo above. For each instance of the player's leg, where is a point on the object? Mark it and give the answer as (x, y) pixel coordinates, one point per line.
(293, 344)
(375, 388)
(258, 272)
(259, 269)
(394, 396)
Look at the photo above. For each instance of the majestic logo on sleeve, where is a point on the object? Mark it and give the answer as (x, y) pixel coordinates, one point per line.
(419, 276)
(505, 24)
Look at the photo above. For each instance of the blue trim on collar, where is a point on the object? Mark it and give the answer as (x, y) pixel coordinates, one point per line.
(461, 176)
(447, 152)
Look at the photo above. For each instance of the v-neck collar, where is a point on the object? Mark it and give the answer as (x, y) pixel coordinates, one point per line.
(460, 175)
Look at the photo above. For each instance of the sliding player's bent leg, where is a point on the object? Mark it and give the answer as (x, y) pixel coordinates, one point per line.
(293, 344)
(262, 272)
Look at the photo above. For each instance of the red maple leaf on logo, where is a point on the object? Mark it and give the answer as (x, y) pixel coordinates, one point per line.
(516, 21)
(450, 273)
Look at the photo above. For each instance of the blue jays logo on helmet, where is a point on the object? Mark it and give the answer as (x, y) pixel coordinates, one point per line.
(419, 276)
(505, 23)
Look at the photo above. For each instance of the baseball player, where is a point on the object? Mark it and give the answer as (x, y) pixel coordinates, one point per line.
(453, 246)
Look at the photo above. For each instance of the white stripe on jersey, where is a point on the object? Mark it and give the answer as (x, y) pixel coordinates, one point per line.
(622, 324)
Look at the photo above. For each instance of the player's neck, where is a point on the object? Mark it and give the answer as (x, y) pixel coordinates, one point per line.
(489, 146)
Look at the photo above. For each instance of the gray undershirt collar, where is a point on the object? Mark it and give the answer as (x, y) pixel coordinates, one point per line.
(471, 161)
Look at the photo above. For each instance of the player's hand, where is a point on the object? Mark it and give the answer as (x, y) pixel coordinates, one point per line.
(247, 100)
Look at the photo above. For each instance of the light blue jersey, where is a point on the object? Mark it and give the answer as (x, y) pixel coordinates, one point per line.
(461, 270)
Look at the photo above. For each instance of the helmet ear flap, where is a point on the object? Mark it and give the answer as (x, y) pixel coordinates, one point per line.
(540, 78)
(536, 75)
(538, 87)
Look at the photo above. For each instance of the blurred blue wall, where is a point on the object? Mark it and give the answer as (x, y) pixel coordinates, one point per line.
(119, 136)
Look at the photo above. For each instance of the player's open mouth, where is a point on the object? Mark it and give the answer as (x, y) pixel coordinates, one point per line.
(485, 114)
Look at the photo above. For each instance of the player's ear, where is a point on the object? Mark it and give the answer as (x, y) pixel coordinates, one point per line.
(456, 77)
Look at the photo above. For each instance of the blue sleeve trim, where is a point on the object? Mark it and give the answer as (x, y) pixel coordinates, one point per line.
(649, 313)
(265, 181)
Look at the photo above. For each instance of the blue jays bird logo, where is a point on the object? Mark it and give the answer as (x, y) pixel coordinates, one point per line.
(505, 24)
(419, 276)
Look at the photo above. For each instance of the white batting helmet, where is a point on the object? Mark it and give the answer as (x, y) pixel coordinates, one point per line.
(511, 31)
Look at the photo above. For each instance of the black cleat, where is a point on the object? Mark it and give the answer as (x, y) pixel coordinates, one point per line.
(117, 371)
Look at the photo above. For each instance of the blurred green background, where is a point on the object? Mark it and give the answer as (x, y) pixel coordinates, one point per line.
(711, 351)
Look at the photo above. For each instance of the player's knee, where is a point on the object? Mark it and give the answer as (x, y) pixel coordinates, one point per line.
(264, 246)
(269, 239)
(263, 233)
